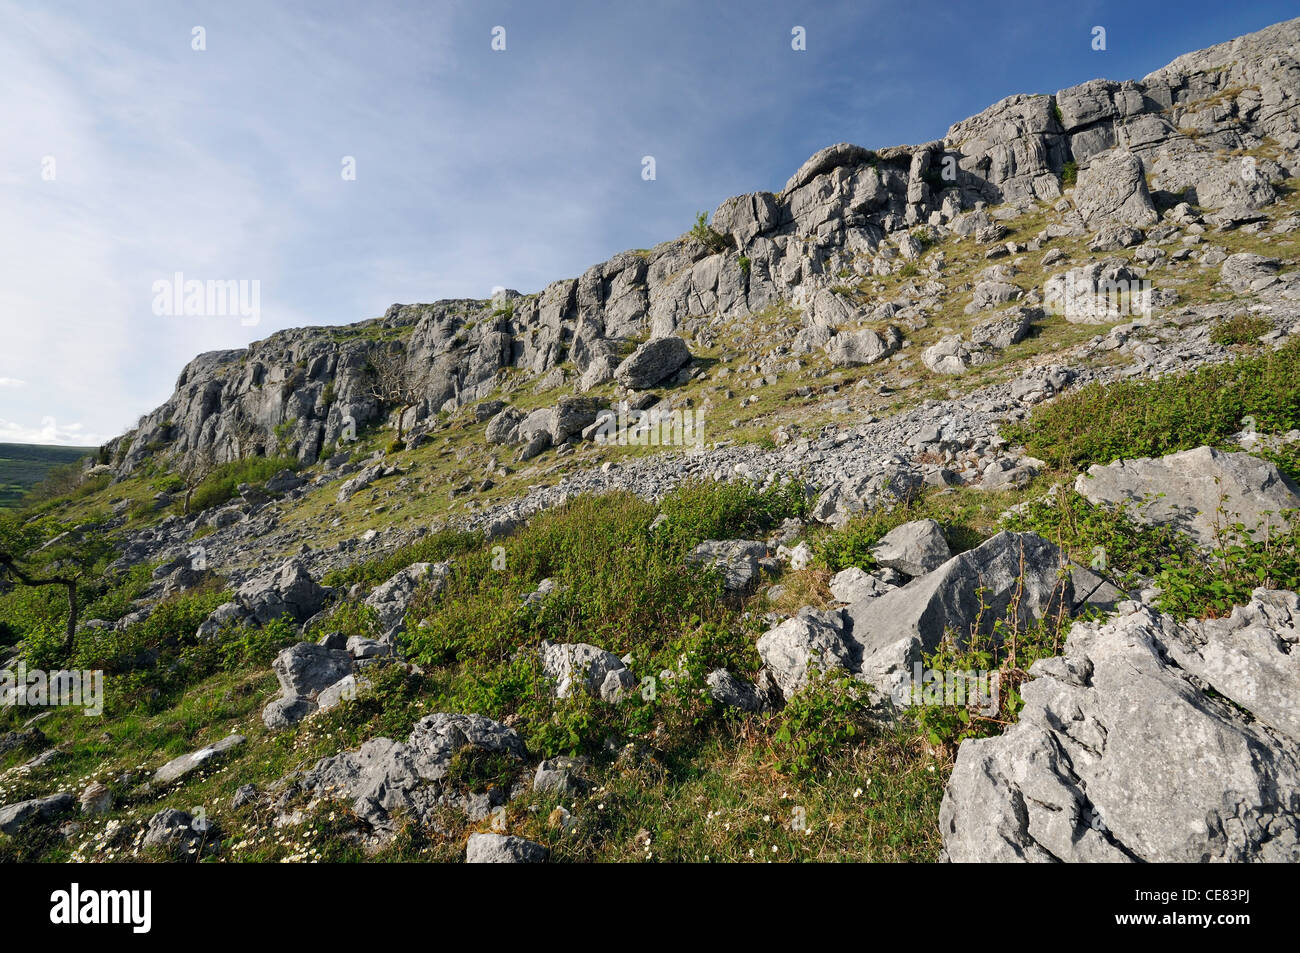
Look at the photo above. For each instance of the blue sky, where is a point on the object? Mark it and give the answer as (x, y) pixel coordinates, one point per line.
(475, 168)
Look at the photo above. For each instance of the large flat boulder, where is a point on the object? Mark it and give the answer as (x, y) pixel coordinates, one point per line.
(1186, 490)
(178, 768)
(503, 849)
(865, 346)
(1015, 576)
(652, 362)
(15, 816)
(1122, 755)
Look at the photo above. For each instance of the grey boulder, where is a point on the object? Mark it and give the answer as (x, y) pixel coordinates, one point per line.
(652, 362)
(178, 768)
(288, 590)
(736, 559)
(503, 849)
(812, 641)
(1120, 755)
(578, 665)
(855, 585)
(304, 671)
(15, 816)
(1185, 491)
(390, 598)
(913, 548)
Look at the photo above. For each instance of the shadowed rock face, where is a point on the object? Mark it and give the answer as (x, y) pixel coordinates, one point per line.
(300, 390)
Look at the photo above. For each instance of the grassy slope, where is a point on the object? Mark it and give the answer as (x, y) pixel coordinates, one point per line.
(721, 788)
(23, 465)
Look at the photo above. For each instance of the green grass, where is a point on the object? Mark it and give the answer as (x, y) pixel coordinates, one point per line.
(221, 485)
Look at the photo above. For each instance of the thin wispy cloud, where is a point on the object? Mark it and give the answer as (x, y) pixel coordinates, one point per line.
(127, 156)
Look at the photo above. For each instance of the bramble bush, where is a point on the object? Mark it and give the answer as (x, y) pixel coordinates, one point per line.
(1101, 423)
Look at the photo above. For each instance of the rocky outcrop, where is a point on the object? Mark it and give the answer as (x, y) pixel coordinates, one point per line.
(1122, 755)
(385, 776)
(307, 392)
(304, 671)
(1201, 492)
(913, 548)
(391, 598)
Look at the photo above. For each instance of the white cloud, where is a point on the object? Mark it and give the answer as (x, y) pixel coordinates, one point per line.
(12, 382)
(50, 431)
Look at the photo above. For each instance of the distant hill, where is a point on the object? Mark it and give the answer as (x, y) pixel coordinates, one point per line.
(23, 465)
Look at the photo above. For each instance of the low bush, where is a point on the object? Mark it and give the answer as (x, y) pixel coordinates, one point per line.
(1101, 423)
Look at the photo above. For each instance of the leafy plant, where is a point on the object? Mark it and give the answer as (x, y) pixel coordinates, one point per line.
(1240, 329)
(1101, 423)
(827, 714)
(703, 233)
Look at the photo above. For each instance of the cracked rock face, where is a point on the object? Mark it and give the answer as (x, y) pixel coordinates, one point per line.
(1120, 754)
(391, 598)
(1113, 190)
(289, 589)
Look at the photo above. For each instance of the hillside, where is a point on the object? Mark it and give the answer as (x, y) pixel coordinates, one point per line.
(24, 465)
(645, 565)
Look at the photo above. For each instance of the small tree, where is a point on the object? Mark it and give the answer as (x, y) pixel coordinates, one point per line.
(64, 560)
(389, 383)
(242, 434)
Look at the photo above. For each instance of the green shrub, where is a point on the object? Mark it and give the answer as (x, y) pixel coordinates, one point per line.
(702, 233)
(1108, 539)
(1007, 649)
(851, 545)
(1241, 329)
(1101, 423)
(253, 645)
(1244, 559)
(700, 511)
(827, 714)
(1070, 173)
(434, 548)
(220, 486)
